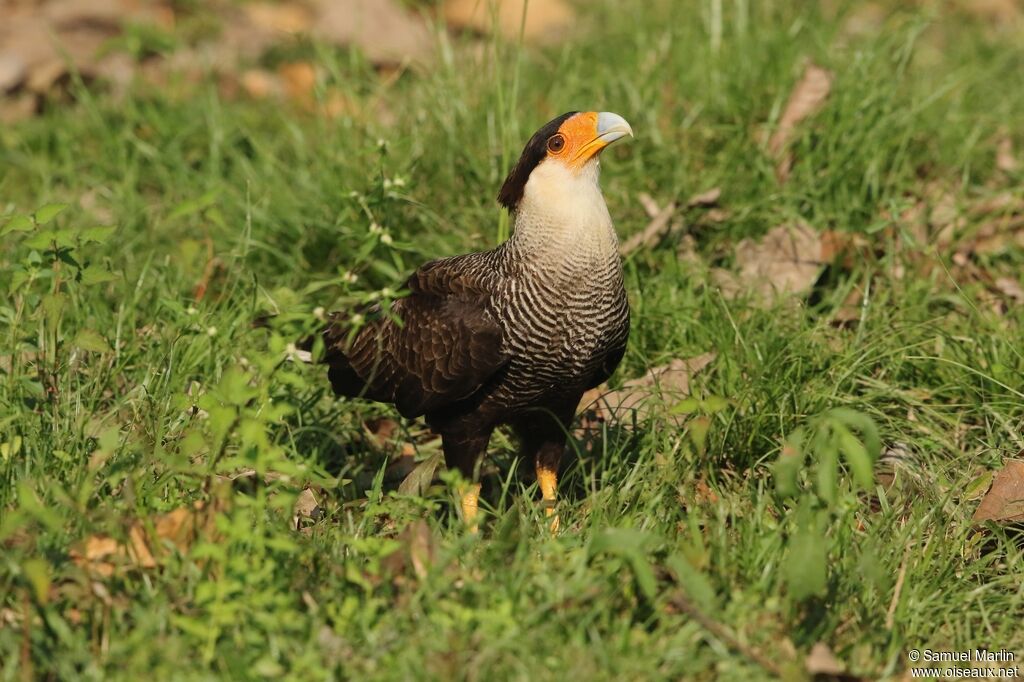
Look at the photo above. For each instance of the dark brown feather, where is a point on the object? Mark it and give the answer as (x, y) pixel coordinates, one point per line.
(446, 346)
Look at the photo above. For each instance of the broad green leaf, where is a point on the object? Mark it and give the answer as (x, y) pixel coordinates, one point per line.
(48, 212)
(49, 238)
(98, 235)
(787, 466)
(38, 573)
(714, 403)
(53, 306)
(234, 387)
(699, 432)
(19, 278)
(807, 556)
(90, 340)
(629, 544)
(94, 274)
(686, 406)
(33, 506)
(857, 457)
(10, 448)
(866, 427)
(696, 584)
(194, 205)
(19, 223)
(828, 475)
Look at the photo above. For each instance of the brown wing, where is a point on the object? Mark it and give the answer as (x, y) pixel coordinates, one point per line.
(444, 349)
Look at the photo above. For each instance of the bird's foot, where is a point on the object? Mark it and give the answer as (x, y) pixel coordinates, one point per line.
(547, 480)
(470, 502)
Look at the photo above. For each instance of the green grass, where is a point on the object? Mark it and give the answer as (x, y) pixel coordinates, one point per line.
(653, 577)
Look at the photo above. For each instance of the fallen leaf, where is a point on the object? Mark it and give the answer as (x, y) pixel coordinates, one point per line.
(806, 99)
(996, 11)
(1004, 502)
(103, 554)
(787, 260)
(642, 396)
(420, 478)
(381, 29)
(544, 20)
(285, 17)
(821, 661)
(12, 72)
(299, 79)
(1010, 288)
(260, 84)
(417, 550)
(382, 430)
(1005, 159)
(653, 233)
(651, 207)
(18, 108)
(705, 199)
(306, 507)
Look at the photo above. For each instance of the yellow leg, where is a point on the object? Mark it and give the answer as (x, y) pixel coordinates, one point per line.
(470, 505)
(547, 479)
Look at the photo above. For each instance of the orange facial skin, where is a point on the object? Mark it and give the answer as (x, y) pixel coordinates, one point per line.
(581, 140)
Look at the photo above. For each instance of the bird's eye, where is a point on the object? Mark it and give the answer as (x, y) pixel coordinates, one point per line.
(556, 143)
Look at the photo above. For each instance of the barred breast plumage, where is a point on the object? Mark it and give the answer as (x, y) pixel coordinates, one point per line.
(514, 335)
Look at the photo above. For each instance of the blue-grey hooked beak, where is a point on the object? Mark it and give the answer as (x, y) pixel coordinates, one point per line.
(611, 127)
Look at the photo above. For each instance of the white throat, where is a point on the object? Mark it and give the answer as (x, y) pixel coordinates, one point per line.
(563, 210)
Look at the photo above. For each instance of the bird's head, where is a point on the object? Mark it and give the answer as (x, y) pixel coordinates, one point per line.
(562, 151)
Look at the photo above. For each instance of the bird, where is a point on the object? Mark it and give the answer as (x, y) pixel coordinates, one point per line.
(512, 336)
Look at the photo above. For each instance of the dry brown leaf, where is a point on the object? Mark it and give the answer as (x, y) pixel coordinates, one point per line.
(299, 80)
(417, 551)
(806, 99)
(653, 233)
(705, 199)
(996, 11)
(651, 207)
(787, 260)
(306, 507)
(12, 72)
(545, 19)
(1004, 502)
(103, 554)
(1006, 161)
(1010, 287)
(284, 17)
(18, 108)
(381, 29)
(260, 84)
(419, 479)
(821, 661)
(641, 396)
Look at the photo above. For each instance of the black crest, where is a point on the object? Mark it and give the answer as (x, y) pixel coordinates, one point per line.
(536, 149)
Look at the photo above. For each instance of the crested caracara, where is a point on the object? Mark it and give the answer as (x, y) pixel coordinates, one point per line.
(514, 335)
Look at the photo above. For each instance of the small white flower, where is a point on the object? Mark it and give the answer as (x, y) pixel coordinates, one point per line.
(191, 310)
(375, 228)
(319, 312)
(211, 331)
(387, 292)
(386, 239)
(357, 320)
(398, 181)
(349, 277)
(387, 183)
(381, 143)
